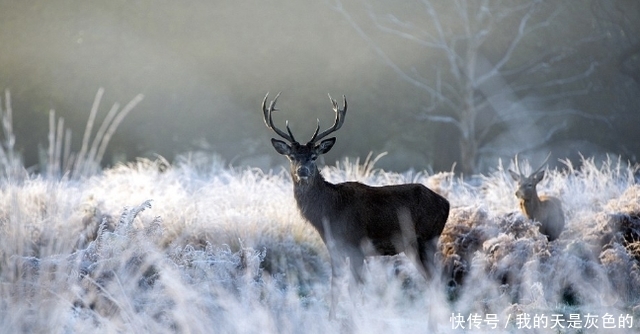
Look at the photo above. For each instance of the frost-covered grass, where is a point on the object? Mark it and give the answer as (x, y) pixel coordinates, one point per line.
(197, 247)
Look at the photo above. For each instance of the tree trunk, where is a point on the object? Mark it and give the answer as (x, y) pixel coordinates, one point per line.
(468, 153)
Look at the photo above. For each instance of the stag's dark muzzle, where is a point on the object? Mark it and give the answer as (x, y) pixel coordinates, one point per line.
(303, 173)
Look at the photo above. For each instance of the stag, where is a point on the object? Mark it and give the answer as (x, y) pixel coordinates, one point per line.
(546, 210)
(355, 220)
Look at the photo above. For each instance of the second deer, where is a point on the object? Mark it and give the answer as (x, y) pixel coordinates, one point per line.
(547, 210)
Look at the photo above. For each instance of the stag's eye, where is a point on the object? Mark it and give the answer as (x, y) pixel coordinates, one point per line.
(314, 157)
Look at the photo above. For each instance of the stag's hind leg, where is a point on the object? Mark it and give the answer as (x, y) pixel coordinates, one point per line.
(424, 256)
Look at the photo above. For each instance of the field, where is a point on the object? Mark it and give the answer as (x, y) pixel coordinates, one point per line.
(200, 247)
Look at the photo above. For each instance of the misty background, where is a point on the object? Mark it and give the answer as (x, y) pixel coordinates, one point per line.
(434, 83)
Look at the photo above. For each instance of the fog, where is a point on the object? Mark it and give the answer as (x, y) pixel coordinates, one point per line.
(204, 67)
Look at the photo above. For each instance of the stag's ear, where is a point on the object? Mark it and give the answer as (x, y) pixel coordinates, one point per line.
(281, 147)
(325, 146)
(515, 176)
(538, 176)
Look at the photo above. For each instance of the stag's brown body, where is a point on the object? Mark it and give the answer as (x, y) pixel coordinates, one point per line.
(391, 219)
(353, 218)
(547, 210)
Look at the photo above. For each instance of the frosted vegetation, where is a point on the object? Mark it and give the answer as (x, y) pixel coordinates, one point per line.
(200, 247)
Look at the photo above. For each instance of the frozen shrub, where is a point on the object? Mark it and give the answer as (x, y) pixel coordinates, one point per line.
(224, 249)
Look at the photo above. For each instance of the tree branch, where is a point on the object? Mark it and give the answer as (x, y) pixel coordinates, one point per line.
(441, 119)
(401, 73)
(522, 32)
(405, 35)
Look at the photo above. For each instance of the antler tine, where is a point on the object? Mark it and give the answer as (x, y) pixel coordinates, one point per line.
(293, 140)
(337, 124)
(517, 166)
(545, 161)
(268, 120)
(315, 133)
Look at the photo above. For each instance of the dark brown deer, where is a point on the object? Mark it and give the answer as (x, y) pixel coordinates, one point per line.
(353, 218)
(546, 210)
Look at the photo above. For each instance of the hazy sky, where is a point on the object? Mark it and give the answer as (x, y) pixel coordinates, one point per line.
(204, 68)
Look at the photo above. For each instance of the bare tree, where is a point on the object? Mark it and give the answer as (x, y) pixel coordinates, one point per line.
(619, 22)
(491, 75)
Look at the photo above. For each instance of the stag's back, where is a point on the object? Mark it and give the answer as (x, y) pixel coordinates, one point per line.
(377, 210)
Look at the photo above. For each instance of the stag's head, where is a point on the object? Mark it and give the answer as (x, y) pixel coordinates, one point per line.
(302, 157)
(527, 184)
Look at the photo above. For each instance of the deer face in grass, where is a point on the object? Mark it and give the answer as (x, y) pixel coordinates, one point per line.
(302, 158)
(527, 184)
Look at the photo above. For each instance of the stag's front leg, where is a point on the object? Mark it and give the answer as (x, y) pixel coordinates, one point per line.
(356, 280)
(356, 263)
(338, 264)
(354, 259)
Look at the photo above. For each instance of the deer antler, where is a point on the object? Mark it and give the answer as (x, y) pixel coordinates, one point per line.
(536, 171)
(340, 113)
(545, 161)
(268, 121)
(516, 165)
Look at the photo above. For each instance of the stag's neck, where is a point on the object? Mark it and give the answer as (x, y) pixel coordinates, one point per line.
(314, 199)
(530, 207)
